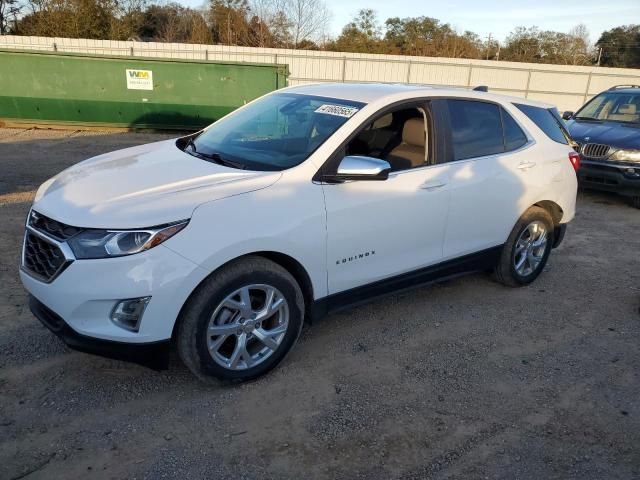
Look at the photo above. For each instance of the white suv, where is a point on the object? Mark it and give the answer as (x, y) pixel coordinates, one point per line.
(304, 201)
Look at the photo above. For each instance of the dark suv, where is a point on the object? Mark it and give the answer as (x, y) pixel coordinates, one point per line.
(607, 130)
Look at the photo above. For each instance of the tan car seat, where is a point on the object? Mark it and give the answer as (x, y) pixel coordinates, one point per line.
(411, 152)
(626, 113)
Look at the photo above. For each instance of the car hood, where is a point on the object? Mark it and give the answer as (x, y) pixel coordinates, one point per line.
(141, 186)
(615, 134)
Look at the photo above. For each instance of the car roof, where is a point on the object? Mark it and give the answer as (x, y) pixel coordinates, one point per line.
(631, 90)
(370, 92)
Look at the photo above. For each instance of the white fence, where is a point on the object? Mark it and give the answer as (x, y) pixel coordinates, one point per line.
(568, 87)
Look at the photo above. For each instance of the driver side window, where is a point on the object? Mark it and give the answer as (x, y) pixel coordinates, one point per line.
(401, 137)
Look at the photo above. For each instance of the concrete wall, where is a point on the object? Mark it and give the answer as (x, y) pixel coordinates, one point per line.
(567, 87)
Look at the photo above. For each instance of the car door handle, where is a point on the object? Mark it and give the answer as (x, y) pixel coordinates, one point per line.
(525, 165)
(432, 185)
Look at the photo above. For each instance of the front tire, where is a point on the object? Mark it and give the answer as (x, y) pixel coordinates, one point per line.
(635, 201)
(241, 321)
(527, 249)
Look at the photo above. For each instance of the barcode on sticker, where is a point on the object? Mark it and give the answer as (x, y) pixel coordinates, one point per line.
(338, 110)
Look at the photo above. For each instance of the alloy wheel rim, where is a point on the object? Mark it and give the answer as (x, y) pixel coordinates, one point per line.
(247, 327)
(530, 248)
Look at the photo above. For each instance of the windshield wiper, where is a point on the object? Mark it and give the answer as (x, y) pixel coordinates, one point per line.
(213, 157)
(588, 118)
(216, 158)
(190, 143)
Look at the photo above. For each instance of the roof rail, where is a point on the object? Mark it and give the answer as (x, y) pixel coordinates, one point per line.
(616, 87)
(481, 88)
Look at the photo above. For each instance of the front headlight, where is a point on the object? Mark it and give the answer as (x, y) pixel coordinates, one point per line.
(626, 155)
(93, 243)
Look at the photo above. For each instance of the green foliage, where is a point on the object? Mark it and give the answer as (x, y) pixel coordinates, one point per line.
(70, 18)
(536, 46)
(620, 47)
(361, 35)
(425, 36)
(173, 23)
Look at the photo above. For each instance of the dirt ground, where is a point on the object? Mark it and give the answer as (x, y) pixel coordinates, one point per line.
(466, 379)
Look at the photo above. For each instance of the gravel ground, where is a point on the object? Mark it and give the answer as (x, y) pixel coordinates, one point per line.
(465, 379)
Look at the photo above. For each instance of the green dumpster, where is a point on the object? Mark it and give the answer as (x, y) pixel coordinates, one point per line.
(74, 89)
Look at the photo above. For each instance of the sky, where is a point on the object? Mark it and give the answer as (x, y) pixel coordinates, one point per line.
(498, 17)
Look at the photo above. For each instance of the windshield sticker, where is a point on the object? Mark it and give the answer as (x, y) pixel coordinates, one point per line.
(337, 110)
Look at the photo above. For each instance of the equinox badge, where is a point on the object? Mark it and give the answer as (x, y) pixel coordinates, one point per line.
(356, 257)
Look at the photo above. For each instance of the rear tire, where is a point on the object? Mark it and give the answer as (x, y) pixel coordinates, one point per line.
(635, 201)
(241, 321)
(527, 249)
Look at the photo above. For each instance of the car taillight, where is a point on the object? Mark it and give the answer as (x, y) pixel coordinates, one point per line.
(574, 158)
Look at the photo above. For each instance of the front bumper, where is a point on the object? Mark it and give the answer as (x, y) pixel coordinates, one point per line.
(85, 293)
(153, 355)
(610, 177)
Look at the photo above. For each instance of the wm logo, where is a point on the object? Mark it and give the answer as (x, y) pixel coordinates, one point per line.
(138, 74)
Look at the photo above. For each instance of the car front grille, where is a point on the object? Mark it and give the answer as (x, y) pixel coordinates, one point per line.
(53, 228)
(595, 150)
(43, 259)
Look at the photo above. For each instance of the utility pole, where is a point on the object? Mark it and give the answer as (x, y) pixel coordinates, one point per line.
(488, 45)
(599, 55)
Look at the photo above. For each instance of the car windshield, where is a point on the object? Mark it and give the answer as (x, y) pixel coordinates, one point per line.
(276, 132)
(616, 106)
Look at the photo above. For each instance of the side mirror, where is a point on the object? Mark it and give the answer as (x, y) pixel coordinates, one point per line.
(355, 167)
(568, 115)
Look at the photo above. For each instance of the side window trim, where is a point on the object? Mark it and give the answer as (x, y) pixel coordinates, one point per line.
(450, 156)
(528, 110)
(441, 116)
(503, 112)
(330, 165)
(444, 143)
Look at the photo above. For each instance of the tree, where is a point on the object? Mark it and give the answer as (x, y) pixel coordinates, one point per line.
(534, 45)
(291, 23)
(69, 18)
(174, 23)
(129, 19)
(309, 20)
(362, 34)
(228, 20)
(280, 26)
(425, 36)
(522, 45)
(620, 47)
(9, 10)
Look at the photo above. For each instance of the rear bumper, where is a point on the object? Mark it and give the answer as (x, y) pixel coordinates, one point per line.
(609, 177)
(154, 355)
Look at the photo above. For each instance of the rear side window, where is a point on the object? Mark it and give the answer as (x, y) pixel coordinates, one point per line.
(547, 121)
(476, 129)
(514, 137)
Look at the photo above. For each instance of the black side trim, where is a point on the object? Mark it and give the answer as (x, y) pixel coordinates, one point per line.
(483, 260)
(154, 355)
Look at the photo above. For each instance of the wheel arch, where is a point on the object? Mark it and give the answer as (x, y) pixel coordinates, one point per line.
(290, 264)
(553, 208)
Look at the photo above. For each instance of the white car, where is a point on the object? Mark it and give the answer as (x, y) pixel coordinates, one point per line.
(299, 203)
